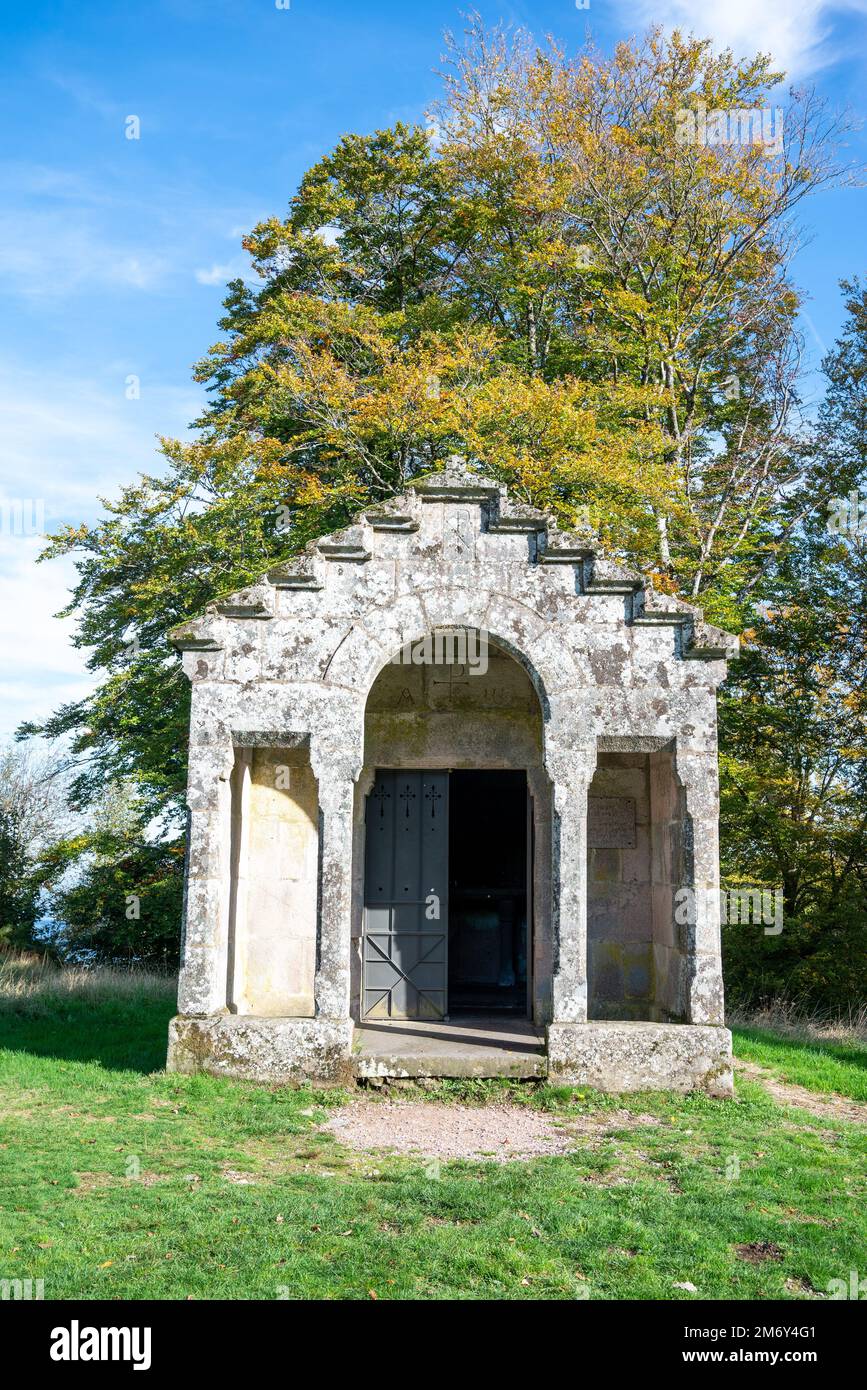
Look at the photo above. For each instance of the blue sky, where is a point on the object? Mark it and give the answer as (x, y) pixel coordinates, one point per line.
(114, 252)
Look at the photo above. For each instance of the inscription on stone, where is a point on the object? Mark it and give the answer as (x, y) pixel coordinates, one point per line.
(611, 822)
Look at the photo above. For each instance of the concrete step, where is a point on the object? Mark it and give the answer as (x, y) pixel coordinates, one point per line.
(465, 1048)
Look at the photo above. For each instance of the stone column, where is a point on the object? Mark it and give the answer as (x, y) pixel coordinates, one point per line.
(363, 787)
(203, 978)
(572, 773)
(703, 994)
(540, 907)
(332, 985)
(238, 942)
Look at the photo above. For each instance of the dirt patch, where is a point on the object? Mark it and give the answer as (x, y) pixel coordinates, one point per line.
(758, 1251)
(802, 1288)
(85, 1183)
(826, 1107)
(93, 1182)
(497, 1133)
(803, 1218)
(240, 1178)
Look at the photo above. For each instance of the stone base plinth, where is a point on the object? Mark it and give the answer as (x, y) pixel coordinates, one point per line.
(606, 1056)
(641, 1056)
(263, 1049)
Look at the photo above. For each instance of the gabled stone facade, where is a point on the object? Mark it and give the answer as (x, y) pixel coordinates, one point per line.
(601, 689)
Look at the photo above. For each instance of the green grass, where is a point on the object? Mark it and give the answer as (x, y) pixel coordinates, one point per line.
(829, 1066)
(116, 1180)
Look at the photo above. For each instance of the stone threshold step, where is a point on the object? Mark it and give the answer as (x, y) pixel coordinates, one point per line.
(517, 1065)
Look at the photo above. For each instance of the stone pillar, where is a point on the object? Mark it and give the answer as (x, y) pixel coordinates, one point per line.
(336, 782)
(203, 978)
(703, 993)
(541, 912)
(572, 774)
(236, 963)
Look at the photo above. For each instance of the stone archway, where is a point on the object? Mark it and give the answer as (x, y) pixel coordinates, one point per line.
(452, 704)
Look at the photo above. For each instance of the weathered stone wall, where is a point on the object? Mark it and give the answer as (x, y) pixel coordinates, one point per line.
(275, 844)
(668, 873)
(635, 951)
(448, 716)
(620, 931)
(620, 1056)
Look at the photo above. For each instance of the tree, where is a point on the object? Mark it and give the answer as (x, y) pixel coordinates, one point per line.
(793, 723)
(115, 887)
(617, 294)
(547, 278)
(19, 891)
(842, 421)
(32, 816)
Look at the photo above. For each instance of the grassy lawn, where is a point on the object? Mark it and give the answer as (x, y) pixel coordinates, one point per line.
(829, 1066)
(118, 1181)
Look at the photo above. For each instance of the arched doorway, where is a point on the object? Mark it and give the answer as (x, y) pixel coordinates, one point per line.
(453, 804)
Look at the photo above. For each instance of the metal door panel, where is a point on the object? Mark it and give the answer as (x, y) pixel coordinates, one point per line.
(405, 896)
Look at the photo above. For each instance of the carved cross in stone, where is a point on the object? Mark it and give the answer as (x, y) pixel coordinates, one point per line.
(456, 678)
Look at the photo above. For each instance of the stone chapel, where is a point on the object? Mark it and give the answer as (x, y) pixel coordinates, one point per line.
(453, 810)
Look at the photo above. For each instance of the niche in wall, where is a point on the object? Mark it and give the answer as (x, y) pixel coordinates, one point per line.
(635, 958)
(273, 907)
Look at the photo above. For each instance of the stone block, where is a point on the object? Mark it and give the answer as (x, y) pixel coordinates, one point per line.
(609, 1056)
(263, 1049)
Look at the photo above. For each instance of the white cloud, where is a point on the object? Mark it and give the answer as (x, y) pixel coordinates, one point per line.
(23, 179)
(40, 667)
(65, 442)
(48, 255)
(799, 37)
(218, 274)
(64, 233)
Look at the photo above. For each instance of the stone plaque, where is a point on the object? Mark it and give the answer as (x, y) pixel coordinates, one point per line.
(611, 822)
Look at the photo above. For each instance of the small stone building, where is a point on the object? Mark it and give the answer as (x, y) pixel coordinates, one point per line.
(453, 810)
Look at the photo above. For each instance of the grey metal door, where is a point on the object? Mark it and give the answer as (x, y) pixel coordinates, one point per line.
(406, 896)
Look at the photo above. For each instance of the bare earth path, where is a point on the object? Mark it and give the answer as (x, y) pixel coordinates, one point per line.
(827, 1107)
(495, 1132)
